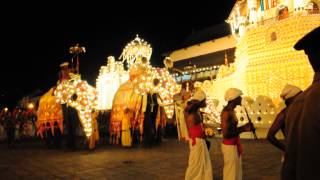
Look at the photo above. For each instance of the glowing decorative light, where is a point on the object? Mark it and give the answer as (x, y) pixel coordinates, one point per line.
(147, 79)
(108, 82)
(263, 67)
(84, 100)
(30, 106)
(166, 86)
(212, 115)
(135, 51)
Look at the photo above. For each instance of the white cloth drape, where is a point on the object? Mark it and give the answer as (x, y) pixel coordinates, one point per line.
(181, 123)
(232, 169)
(199, 165)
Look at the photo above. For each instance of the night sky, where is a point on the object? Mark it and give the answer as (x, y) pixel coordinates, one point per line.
(36, 37)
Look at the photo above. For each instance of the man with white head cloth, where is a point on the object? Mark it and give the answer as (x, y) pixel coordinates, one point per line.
(231, 147)
(288, 94)
(199, 164)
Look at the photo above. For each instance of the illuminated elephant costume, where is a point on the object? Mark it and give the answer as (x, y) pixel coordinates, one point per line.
(80, 95)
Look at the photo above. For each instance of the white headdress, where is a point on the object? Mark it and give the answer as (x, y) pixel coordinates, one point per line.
(232, 93)
(289, 91)
(199, 95)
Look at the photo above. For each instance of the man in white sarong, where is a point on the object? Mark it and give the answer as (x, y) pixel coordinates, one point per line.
(199, 165)
(231, 147)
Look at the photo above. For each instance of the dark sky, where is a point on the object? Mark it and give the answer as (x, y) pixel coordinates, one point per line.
(36, 37)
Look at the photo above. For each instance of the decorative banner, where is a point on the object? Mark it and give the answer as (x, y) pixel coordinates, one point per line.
(49, 111)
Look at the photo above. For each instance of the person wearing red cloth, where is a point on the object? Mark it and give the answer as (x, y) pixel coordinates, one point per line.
(199, 164)
(231, 147)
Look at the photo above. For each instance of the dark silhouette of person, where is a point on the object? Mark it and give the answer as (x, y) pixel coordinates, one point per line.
(57, 136)
(302, 120)
(49, 136)
(289, 93)
(10, 126)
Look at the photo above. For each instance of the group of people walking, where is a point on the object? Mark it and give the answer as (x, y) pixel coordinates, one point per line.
(199, 164)
(18, 124)
(299, 122)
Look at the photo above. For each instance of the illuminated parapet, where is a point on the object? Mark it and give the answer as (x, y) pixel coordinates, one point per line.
(266, 61)
(108, 82)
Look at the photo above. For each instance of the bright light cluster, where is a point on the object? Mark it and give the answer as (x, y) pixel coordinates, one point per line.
(135, 50)
(166, 86)
(108, 82)
(264, 67)
(80, 95)
(212, 115)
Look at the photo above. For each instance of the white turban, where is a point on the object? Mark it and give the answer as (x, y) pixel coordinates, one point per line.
(232, 93)
(199, 95)
(289, 91)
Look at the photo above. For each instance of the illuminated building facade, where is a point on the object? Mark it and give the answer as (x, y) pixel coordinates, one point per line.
(110, 78)
(265, 61)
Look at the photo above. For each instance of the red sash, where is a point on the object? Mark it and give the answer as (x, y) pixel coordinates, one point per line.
(234, 141)
(196, 132)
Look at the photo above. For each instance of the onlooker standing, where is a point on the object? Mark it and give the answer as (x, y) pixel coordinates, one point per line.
(288, 94)
(231, 147)
(302, 120)
(199, 164)
(10, 127)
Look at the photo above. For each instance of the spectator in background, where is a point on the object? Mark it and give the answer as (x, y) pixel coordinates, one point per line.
(302, 120)
(10, 126)
(288, 94)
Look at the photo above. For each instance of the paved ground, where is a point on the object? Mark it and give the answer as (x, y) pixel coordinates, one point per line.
(31, 160)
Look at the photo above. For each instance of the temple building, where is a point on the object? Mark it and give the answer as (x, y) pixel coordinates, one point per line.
(264, 61)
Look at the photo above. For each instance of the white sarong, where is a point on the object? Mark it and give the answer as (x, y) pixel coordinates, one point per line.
(232, 169)
(199, 165)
